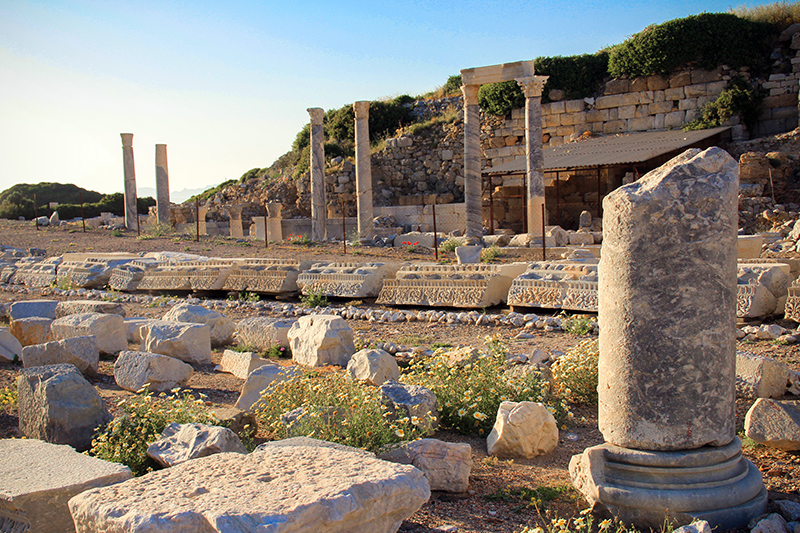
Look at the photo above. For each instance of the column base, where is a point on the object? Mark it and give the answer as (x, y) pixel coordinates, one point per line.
(645, 488)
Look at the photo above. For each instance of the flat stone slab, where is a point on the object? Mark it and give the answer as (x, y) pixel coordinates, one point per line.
(276, 489)
(346, 280)
(109, 329)
(31, 308)
(32, 330)
(37, 479)
(89, 306)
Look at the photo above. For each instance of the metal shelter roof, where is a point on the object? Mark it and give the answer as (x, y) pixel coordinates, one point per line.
(608, 150)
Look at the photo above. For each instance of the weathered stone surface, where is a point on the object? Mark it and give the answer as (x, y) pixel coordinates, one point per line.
(349, 280)
(108, 329)
(373, 366)
(80, 351)
(684, 280)
(291, 488)
(240, 364)
(411, 401)
(222, 327)
(774, 423)
(132, 326)
(37, 479)
(73, 307)
(190, 343)
(789, 509)
(10, 347)
(57, 405)
(32, 330)
(447, 465)
(319, 340)
(262, 332)
(134, 370)
(182, 442)
(522, 429)
(773, 523)
(29, 308)
(701, 526)
(258, 381)
(760, 377)
(236, 420)
(468, 254)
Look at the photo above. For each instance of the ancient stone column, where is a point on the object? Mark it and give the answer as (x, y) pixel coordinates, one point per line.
(532, 87)
(162, 185)
(472, 165)
(202, 211)
(363, 173)
(235, 213)
(274, 221)
(131, 211)
(318, 215)
(667, 313)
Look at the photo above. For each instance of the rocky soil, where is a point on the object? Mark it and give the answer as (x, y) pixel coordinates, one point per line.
(487, 506)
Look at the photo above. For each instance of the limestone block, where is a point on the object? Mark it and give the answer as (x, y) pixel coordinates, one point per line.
(446, 465)
(468, 254)
(133, 370)
(411, 401)
(181, 442)
(558, 234)
(760, 377)
(222, 327)
(789, 509)
(190, 343)
(261, 332)
(260, 380)
(132, 326)
(319, 340)
(10, 347)
(37, 479)
(109, 329)
(349, 280)
(82, 352)
(774, 423)
(240, 364)
(89, 306)
(291, 488)
(755, 300)
(775, 277)
(772, 523)
(522, 429)
(57, 405)
(701, 526)
(749, 246)
(32, 330)
(373, 366)
(237, 420)
(580, 239)
(29, 308)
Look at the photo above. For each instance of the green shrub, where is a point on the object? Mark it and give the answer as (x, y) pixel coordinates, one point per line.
(452, 86)
(575, 373)
(491, 253)
(451, 244)
(578, 76)
(737, 99)
(337, 409)
(311, 298)
(577, 324)
(278, 351)
(470, 393)
(500, 98)
(707, 40)
(126, 438)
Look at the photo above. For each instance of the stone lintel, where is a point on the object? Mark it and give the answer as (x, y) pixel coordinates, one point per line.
(496, 73)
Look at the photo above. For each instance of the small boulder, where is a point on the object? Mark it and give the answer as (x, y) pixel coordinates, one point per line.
(133, 370)
(222, 327)
(10, 347)
(411, 401)
(701, 526)
(760, 377)
(774, 423)
(190, 343)
(32, 330)
(789, 509)
(773, 523)
(261, 333)
(79, 351)
(182, 442)
(132, 326)
(320, 340)
(236, 420)
(373, 366)
(240, 364)
(29, 308)
(522, 429)
(57, 405)
(258, 381)
(447, 465)
(108, 329)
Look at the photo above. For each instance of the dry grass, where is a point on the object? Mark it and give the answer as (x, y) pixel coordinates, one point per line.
(781, 14)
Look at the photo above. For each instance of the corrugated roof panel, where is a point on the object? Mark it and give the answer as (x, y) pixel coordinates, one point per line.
(620, 149)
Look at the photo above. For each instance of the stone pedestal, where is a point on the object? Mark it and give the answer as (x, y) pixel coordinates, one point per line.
(131, 221)
(162, 185)
(202, 211)
(667, 313)
(235, 213)
(532, 87)
(274, 224)
(472, 164)
(318, 215)
(363, 172)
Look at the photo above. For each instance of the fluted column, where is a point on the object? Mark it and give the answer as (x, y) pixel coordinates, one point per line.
(363, 172)
(162, 184)
(532, 88)
(131, 221)
(472, 164)
(318, 208)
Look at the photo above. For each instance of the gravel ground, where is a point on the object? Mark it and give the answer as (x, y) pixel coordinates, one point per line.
(474, 511)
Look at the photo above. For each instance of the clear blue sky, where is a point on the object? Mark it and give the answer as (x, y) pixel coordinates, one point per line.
(226, 84)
